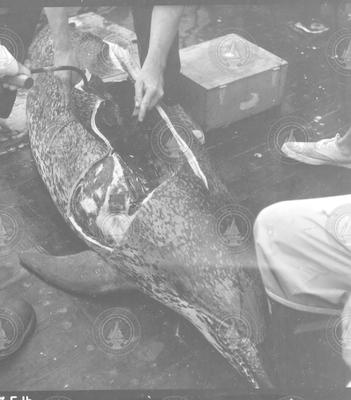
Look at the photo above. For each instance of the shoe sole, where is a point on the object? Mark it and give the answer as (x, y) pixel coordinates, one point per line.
(26, 334)
(314, 161)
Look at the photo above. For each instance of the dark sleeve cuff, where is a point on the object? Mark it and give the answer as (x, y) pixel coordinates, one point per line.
(7, 100)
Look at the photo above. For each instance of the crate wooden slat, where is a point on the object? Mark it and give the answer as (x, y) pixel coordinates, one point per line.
(229, 78)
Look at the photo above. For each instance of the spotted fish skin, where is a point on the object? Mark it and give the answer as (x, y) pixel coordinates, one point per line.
(168, 246)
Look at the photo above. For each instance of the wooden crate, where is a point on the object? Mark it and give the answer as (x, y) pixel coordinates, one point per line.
(229, 78)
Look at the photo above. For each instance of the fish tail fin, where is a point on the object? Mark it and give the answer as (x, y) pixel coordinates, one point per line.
(85, 273)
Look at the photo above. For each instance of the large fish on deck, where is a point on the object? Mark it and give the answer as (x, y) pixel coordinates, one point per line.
(155, 231)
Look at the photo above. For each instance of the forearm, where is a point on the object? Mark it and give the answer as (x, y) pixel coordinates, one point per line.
(8, 64)
(58, 22)
(164, 27)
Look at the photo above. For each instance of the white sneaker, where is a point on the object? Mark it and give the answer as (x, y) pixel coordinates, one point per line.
(323, 152)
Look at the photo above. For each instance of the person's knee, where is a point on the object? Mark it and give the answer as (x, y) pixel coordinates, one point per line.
(265, 218)
(274, 217)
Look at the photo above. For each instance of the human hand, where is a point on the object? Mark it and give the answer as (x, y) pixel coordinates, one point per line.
(10, 67)
(148, 88)
(22, 69)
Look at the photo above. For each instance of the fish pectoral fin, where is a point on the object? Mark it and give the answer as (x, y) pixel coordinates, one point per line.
(84, 273)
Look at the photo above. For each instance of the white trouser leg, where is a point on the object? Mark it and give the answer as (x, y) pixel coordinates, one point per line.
(303, 249)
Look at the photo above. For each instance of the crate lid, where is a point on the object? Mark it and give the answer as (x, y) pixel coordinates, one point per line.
(224, 60)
